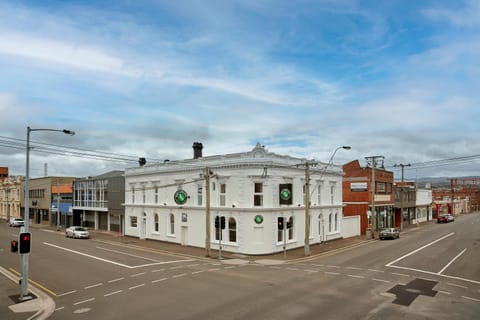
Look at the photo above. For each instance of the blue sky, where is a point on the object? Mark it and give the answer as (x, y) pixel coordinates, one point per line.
(148, 78)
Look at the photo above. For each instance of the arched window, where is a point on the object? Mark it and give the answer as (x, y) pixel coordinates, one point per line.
(156, 222)
(172, 223)
(330, 222)
(336, 221)
(232, 230)
(290, 230)
(320, 224)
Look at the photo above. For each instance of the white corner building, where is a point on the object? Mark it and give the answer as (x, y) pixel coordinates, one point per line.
(168, 201)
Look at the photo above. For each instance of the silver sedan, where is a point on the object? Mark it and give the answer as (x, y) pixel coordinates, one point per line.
(77, 232)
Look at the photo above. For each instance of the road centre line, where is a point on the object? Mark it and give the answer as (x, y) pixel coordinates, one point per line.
(456, 257)
(115, 280)
(137, 274)
(374, 270)
(214, 269)
(112, 293)
(179, 275)
(135, 287)
(445, 292)
(380, 280)
(93, 286)
(333, 273)
(113, 262)
(127, 254)
(66, 293)
(401, 274)
(84, 301)
(469, 298)
(354, 276)
(197, 272)
(416, 250)
(354, 268)
(456, 285)
(155, 281)
(158, 270)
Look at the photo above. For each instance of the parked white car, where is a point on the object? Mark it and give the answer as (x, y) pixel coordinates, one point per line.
(17, 222)
(77, 232)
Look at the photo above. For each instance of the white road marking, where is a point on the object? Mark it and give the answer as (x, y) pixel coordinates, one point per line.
(177, 267)
(115, 280)
(215, 269)
(112, 293)
(293, 269)
(354, 276)
(274, 267)
(197, 272)
(444, 292)
(66, 293)
(375, 270)
(229, 267)
(401, 274)
(330, 266)
(84, 301)
(127, 254)
(333, 273)
(61, 308)
(354, 268)
(380, 280)
(179, 275)
(113, 262)
(158, 270)
(137, 274)
(453, 260)
(470, 298)
(192, 265)
(155, 281)
(93, 286)
(135, 287)
(421, 248)
(312, 271)
(456, 285)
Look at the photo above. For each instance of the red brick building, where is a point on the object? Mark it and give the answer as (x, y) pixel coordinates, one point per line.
(357, 196)
(3, 173)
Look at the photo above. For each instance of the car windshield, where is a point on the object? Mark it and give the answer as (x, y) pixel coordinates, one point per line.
(80, 229)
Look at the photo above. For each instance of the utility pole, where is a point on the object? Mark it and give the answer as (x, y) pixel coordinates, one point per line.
(373, 163)
(8, 205)
(58, 206)
(307, 208)
(401, 165)
(207, 212)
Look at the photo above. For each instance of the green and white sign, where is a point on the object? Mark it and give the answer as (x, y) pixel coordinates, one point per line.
(285, 194)
(180, 197)
(258, 219)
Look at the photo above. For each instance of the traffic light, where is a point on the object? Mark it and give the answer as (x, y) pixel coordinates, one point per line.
(14, 246)
(222, 222)
(285, 193)
(280, 223)
(25, 242)
(217, 222)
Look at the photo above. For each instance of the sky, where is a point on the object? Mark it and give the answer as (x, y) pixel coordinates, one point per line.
(399, 79)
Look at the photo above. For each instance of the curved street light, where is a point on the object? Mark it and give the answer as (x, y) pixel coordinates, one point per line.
(24, 282)
(308, 195)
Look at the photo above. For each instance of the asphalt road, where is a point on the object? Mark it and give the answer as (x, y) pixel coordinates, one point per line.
(431, 272)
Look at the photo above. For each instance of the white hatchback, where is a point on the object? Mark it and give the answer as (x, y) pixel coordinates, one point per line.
(77, 232)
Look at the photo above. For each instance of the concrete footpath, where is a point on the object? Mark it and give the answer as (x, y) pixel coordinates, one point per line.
(43, 306)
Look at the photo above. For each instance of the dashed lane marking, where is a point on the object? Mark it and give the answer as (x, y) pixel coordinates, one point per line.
(112, 293)
(135, 287)
(179, 275)
(470, 298)
(93, 286)
(84, 301)
(66, 293)
(115, 280)
(158, 280)
(137, 274)
(381, 280)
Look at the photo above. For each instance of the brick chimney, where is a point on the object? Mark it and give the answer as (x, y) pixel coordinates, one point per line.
(197, 150)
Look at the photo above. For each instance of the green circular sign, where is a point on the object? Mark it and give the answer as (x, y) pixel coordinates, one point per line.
(180, 197)
(285, 194)
(258, 219)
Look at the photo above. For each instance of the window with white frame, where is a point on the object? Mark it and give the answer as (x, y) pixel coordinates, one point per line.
(330, 222)
(332, 192)
(172, 224)
(319, 193)
(199, 194)
(133, 221)
(336, 221)
(232, 230)
(133, 194)
(258, 194)
(156, 194)
(155, 222)
(290, 230)
(223, 194)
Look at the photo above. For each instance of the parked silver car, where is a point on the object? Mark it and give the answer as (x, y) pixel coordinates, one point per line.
(77, 232)
(17, 222)
(389, 233)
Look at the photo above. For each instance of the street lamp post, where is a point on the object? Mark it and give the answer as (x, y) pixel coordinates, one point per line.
(24, 261)
(307, 195)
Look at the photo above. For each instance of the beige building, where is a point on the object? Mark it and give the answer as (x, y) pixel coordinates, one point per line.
(41, 197)
(10, 197)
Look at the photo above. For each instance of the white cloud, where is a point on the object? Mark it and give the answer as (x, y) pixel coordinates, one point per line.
(469, 16)
(64, 53)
